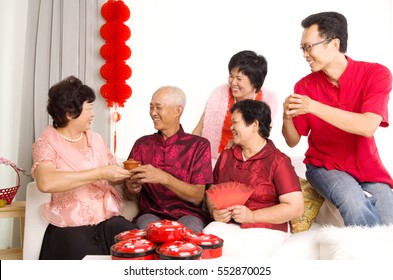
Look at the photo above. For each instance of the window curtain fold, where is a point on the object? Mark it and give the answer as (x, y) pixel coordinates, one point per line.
(62, 39)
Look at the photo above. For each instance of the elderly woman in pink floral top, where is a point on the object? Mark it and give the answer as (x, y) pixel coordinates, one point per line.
(74, 164)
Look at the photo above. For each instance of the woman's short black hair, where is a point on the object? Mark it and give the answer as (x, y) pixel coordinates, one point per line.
(250, 64)
(254, 110)
(66, 98)
(330, 25)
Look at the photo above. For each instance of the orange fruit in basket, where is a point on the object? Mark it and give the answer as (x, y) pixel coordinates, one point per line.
(3, 203)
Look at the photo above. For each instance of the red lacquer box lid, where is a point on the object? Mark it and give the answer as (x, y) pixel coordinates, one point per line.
(133, 249)
(165, 231)
(205, 240)
(130, 234)
(179, 250)
(211, 244)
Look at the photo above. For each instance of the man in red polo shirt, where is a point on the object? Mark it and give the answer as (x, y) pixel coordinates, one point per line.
(339, 106)
(175, 167)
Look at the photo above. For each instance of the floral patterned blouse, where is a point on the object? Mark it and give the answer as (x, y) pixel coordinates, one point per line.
(86, 205)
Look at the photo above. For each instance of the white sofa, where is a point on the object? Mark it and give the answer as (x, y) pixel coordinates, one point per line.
(300, 246)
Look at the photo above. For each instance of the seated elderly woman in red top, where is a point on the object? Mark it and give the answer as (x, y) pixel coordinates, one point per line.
(175, 167)
(262, 224)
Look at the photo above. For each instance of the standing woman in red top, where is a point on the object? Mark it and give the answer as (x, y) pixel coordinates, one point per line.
(247, 72)
(339, 106)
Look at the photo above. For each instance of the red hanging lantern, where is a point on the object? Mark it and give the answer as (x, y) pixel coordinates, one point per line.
(115, 71)
(115, 10)
(115, 52)
(112, 51)
(115, 31)
(116, 92)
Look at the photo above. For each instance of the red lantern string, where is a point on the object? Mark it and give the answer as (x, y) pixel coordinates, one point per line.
(115, 52)
(115, 117)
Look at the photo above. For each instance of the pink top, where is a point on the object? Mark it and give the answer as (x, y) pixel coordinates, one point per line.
(364, 87)
(86, 205)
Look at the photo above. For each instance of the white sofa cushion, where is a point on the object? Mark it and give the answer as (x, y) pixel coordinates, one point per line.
(300, 246)
(247, 243)
(356, 243)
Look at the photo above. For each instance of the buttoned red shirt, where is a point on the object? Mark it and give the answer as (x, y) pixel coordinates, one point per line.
(185, 156)
(363, 87)
(269, 172)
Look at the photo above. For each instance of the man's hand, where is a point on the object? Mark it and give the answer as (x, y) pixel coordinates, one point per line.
(296, 104)
(149, 174)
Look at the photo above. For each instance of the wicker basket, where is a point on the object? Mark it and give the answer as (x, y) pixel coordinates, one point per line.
(8, 194)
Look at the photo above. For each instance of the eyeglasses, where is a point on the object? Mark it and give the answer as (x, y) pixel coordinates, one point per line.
(307, 48)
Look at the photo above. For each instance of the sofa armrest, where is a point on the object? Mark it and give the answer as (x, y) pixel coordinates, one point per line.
(35, 224)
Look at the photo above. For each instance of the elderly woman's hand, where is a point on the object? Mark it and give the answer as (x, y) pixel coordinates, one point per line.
(113, 173)
(223, 215)
(241, 214)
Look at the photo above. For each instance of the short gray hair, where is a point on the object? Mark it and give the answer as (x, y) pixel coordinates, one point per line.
(175, 95)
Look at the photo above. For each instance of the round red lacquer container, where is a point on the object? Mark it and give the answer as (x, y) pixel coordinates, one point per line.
(179, 250)
(165, 231)
(131, 234)
(211, 244)
(133, 249)
(188, 231)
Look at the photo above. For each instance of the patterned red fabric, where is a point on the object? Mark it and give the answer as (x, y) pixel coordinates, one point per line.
(185, 156)
(86, 205)
(269, 172)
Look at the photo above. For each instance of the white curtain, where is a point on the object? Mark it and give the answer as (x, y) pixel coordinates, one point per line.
(61, 39)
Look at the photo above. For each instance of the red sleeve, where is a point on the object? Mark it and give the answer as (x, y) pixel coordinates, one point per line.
(285, 178)
(202, 170)
(376, 96)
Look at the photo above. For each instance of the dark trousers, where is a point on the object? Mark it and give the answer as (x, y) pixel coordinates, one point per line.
(74, 243)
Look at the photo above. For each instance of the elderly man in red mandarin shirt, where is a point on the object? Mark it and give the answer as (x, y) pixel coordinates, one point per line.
(175, 167)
